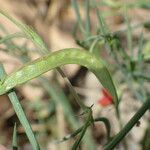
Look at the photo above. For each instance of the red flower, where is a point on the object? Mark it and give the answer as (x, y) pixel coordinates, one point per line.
(106, 98)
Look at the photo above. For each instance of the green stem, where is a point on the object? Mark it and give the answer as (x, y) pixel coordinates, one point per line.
(88, 122)
(128, 126)
(79, 20)
(14, 143)
(142, 76)
(121, 126)
(76, 132)
(73, 92)
(23, 119)
(20, 113)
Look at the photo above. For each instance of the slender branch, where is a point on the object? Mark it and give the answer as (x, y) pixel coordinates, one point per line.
(89, 120)
(128, 126)
(142, 76)
(73, 92)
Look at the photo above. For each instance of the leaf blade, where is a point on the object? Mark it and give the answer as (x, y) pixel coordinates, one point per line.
(57, 59)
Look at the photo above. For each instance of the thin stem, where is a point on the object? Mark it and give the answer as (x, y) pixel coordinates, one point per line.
(121, 126)
(23, 119)
(128, 126)
(76, 132)
(129, 32)
(88, 122)
(142, 76)
(20, 113)
(79, 20)
(73, 92)
(87, 22)
(14, 143)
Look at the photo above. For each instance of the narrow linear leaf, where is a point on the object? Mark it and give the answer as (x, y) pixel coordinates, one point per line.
(104, 28)
(69, 136)
(87, 13)
(142, 76)
(73, 92)
(129, 31)
(29, 32)
(2, 73)
(89, 120)
(23, 119)
(76, 144)
(53, 60)
(140, 48)
(14, 143)
(107, 125)
(11, 36)
(76, 8)
(21, 115)
(76, 132)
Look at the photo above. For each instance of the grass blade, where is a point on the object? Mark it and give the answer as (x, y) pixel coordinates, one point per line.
(11, 36)
(53, 60)
(87, 22)
(21, 115)
(89, 120)
(129, 32)
(29, 32)
(69, 136)
(104, 28)
(76, 144)
(76, 132)
(14, 143)
(140, 48)
(23, 119)
(76, 8)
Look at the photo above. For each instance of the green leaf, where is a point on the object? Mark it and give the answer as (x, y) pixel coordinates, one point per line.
(87, 12)
(21, 115)
(76, 9)
(53, 60)
(129, 31)
(14, 143)
(103, 26)
(11, 36)
(23, 119)
(76, 132)
(28, 31)
(88, 122)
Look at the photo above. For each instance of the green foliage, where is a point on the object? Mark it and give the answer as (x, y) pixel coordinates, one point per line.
(131, 66)
(57, 59)
(127, 60)
(22, 117)
(46, 63)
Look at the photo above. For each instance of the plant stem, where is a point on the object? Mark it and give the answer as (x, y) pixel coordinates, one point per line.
(142, 76)
(124, 142)
(20, 113)
(73, 92)
(23, 119)
(88, 122)
(128, 126)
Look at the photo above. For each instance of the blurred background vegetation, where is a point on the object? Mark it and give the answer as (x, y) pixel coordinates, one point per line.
(118, 31)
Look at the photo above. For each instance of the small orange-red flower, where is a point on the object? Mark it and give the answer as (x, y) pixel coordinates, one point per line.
(106, 99)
